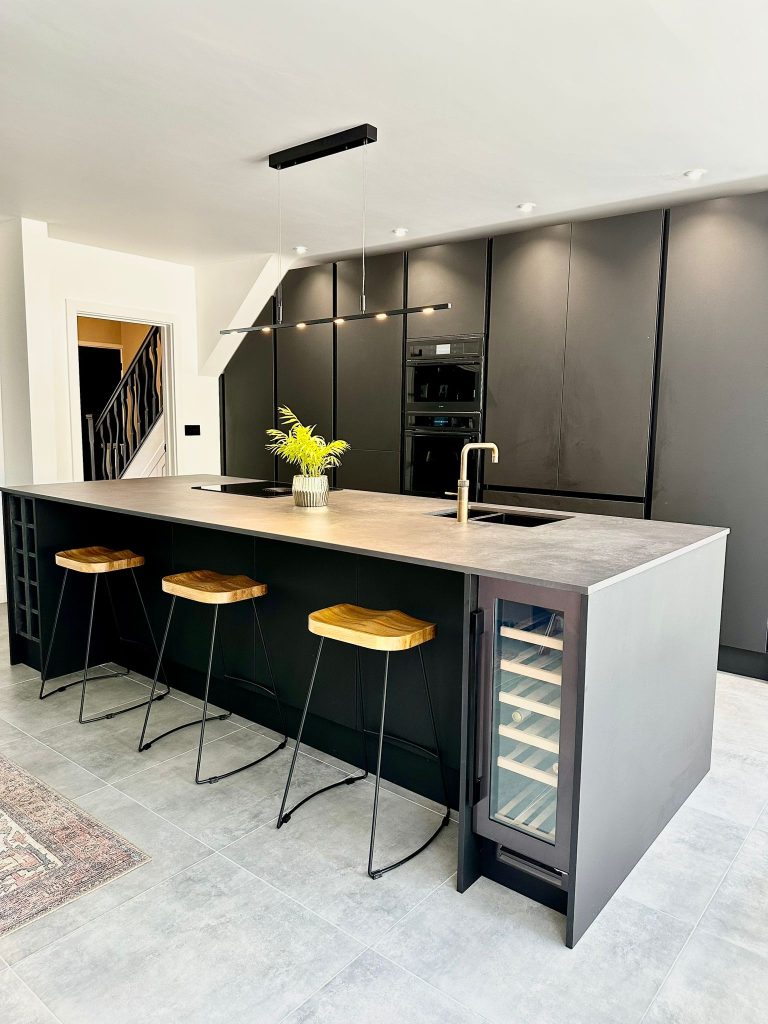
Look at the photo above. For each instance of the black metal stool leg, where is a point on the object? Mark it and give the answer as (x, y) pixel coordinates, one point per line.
(361, 720)
(150, 631)
(177, 728)
(378, 770)
(88, 649)
(281, 712)
(285, 816)
(205, 700)
(378, 872)
(44, 673)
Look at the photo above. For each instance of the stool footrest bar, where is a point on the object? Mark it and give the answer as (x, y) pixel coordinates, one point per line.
(186, 725)
(236, 771)
(286, 816)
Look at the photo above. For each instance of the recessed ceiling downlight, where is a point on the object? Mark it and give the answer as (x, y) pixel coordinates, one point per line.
(695, 173)
(526, 207)
(300, 250)
(399, 232)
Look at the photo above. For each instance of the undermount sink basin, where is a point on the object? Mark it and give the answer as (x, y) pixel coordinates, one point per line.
(488, 515)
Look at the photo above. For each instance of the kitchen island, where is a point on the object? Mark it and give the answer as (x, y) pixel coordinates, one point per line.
(573, 669)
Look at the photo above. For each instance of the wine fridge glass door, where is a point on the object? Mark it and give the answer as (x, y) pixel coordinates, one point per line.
(525, 729)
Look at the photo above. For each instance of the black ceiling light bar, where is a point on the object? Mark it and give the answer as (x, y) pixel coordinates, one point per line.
(319, 148)
(362, 135)
(383, 314)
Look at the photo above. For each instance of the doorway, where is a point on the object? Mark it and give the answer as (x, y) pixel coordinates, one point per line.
(120, 370)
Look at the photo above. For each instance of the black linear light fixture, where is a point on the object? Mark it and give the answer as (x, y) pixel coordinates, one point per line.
(362, 135)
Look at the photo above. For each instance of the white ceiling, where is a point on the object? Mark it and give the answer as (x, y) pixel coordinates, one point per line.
(144, 126)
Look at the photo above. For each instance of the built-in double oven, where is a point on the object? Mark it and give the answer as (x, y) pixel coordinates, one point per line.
(444, 395)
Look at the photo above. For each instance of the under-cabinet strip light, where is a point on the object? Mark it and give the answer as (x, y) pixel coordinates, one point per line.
(339, 320)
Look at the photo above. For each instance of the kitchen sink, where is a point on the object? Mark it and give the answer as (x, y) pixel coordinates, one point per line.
(488, 515)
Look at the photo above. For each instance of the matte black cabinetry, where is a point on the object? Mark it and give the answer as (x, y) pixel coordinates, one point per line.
(571, 355)
(305, 355)
(712, 436)
(613, 291)
(248, 401)
(529, 303)
(369, 367)
(455, 273)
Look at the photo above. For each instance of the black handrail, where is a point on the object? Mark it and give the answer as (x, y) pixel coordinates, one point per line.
(131, 412)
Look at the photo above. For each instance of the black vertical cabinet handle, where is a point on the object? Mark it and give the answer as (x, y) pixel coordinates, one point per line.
(477, 687)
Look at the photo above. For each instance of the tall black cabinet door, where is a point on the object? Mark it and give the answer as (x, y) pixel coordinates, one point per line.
(711, 462)
(455, 273)
(305, 355)
(369, 355)
(529, 298)
(609, 354)
(248, 404)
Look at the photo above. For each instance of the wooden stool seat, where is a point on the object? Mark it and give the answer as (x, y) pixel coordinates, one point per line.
(98, 559)
(208, 587)
(375, 630)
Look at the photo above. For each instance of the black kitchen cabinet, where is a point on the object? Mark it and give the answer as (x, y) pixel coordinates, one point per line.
(369, 355)
(305, 355)
(455, 273)
(248, 403)
(613, 290)
(364, 470)
(711, 463)
(529, 302)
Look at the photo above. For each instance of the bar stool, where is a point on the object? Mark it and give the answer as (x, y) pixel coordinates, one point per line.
(377, 631)
(204, 586)
(97, 561)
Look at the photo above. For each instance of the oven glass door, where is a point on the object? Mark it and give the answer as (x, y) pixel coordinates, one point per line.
(432, 463)
(445, 385)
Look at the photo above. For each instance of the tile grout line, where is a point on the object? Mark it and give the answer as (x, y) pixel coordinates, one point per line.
(700, 917)
(29, 989)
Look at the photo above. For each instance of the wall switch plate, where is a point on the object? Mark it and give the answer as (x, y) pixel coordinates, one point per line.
(191, 429)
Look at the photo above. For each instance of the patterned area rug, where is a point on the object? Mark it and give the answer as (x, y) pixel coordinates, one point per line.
(51, 851)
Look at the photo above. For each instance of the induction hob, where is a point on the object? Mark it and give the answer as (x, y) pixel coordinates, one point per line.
(254, 488)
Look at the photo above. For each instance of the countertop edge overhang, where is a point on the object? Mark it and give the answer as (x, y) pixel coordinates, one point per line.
(598, 552)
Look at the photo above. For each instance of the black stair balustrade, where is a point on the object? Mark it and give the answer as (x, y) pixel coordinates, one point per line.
(133, 409)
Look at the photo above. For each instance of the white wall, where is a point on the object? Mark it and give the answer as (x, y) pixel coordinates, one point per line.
(63, 279)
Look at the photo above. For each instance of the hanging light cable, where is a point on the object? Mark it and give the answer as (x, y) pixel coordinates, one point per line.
(315, 150)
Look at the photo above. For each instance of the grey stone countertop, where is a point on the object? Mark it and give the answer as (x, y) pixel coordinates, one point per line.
(582, 552)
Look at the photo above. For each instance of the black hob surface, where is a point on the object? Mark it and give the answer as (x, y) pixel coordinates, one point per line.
(254, 488)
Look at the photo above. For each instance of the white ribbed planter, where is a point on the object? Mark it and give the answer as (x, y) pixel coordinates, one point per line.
(310, 491)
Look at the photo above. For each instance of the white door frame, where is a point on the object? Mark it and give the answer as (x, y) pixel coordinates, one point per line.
(99, 310)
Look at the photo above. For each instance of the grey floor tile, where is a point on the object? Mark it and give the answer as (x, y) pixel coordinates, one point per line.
(170, 849)
(20, 704)
(373, 990)
(109, 749)
(12, 674)
(502, 955)
(762, 821)
(736, 787)
(8, 732)
(211, 945)
(320, 857)
(739, 909)
(741, 714)
(713, 982)
(219, 814)
(20, 1006)
(681, 871)
(50, 766)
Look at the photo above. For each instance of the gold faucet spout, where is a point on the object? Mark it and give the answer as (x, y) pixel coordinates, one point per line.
(462, 493)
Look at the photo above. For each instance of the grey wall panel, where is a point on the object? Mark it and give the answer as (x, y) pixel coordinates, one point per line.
(249, 404)
(369, 356)
(711, 462)
(305, 357)
(453, 273)
(370, 471)
(609, 354)
(559, 503)
(529, 295)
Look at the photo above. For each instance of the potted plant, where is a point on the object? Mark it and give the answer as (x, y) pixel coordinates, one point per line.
(300, 446)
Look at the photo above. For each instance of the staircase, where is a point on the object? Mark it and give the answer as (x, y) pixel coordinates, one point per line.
(134, 408)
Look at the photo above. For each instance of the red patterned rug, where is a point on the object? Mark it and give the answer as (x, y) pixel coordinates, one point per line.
(51, 851)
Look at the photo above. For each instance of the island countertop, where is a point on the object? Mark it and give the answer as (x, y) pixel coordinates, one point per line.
(582, 552)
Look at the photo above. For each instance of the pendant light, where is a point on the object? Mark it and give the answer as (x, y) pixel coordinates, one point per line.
(362, 135)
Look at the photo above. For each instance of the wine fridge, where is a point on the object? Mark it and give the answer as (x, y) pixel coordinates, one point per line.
(526, 722)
